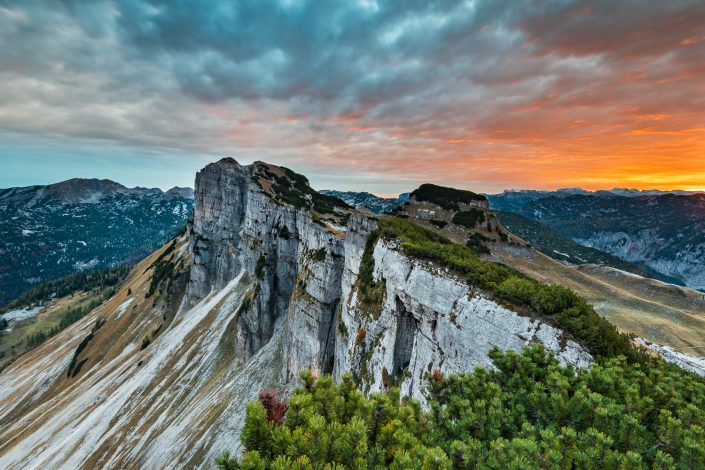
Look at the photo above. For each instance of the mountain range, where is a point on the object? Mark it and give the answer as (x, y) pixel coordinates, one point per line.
(654, 233)
(271, 278)
(364, 200)
(47, 232)
(663, 233)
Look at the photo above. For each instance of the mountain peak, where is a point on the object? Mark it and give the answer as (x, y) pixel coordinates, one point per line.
(177, 191)
(448, 198)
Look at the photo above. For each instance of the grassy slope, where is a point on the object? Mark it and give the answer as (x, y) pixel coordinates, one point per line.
(642, 306)
(13, 343)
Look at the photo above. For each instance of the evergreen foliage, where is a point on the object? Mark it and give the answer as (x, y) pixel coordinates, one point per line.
(293, 188)
(527, 413)
(83, 281)
(371, 292)
(469, 218)
(570, 312)
(164, 267)
(259, 268)
(71, 316)
(438, 223)
(447, 198)
(476, 242)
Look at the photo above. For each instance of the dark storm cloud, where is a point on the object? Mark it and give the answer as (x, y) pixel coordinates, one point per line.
(341, 83)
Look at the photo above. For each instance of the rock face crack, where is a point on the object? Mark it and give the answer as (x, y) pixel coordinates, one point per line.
(407, 327)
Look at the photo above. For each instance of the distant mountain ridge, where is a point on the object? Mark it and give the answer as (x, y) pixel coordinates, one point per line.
(80, 191)
(51, 231)
(663, 232)
(515, 199)
(681, 261)
(368, 201)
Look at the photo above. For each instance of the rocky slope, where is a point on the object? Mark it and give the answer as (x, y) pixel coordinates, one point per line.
(266, 282)
(47, 232)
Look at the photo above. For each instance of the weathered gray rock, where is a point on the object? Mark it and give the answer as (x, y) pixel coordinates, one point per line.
(430, 320)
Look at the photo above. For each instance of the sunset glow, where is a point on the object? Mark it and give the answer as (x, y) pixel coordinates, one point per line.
(362, 95)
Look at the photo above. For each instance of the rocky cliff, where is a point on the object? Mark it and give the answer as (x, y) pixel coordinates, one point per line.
(266, 282)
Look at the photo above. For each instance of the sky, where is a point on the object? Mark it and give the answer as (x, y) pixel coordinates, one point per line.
(358, 95)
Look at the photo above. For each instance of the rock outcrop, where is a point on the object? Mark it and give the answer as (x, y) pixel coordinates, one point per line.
(264, 283)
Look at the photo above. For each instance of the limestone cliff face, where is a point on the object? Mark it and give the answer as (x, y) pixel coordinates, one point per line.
(431, 320)
(307, 280)
(263, 284)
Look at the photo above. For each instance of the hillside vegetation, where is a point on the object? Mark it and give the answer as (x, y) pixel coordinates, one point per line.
(664, 233)
(62, 303)
(570, 312)
(43, 239)
(447, 198)
(83, 281)
(528, 413)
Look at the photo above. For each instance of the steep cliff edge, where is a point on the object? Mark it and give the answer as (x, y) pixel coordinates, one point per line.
(270, 278)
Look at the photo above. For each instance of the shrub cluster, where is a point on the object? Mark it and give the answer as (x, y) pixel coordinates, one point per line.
(294, 189)
(371, 293)
(438, 223)
(469, 218)
(447, 198)
(527, 413)
(71, 316)
(476, 242)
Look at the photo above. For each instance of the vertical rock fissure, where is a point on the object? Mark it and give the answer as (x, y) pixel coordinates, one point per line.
(329, 346)
(407, 327)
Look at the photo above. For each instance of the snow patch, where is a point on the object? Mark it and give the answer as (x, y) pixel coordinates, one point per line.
(13, 316)
(82, 266)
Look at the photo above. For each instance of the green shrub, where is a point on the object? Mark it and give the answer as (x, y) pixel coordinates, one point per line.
(447, 198)
(527, 412)
(469, 218)
(517, 290)
(371, 292)
(476, 242)
(438, 223)
(259, 268)
(319, 255)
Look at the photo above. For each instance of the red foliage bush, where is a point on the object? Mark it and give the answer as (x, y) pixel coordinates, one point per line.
(276, 409)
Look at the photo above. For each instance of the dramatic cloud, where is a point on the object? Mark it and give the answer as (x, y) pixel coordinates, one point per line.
(482, 94)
